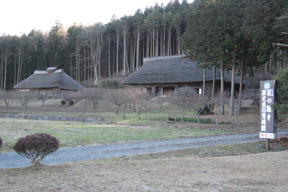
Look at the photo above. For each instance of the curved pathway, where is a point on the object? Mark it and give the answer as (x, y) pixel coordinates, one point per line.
(105, 151)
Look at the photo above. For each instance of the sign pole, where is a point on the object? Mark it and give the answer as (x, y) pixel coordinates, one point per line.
(267, 144)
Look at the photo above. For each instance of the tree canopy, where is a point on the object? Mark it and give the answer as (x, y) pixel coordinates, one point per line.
(241, 32)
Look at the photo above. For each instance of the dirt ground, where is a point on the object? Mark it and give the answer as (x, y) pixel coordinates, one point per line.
(258, 172)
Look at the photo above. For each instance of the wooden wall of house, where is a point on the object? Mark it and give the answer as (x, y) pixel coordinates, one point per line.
(165, 89)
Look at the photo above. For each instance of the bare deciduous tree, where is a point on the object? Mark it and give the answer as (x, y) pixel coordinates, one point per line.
(7, 97)
(68, 98)
(182, 98)
(215, 105)
(44, 96)
(92, 94)
(160, 101)
(188, 98)
(142, 100)
(25, 97)
(234, 107)
(118, 98)
(92, 38)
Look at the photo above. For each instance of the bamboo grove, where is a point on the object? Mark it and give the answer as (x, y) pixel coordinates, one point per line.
(208, 31)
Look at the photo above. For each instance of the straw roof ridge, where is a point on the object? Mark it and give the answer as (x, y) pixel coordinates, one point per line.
(49, 80)
(173, 69)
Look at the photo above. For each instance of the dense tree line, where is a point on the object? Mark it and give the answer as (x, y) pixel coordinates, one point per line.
(237, 35)
(89, 53)
(233, 33)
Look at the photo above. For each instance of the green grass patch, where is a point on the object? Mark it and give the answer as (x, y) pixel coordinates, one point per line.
(71, 133)
(213, 151)
(194, 120)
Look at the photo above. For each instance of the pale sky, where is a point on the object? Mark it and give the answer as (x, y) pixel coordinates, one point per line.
(22, 16)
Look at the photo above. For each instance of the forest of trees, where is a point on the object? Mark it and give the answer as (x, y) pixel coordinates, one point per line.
(238, 34)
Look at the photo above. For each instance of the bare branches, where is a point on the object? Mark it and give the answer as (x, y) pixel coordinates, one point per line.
(119, 98)
(142, 100)
(7, 97)
(25, 97)
(92, 38)
(187, 98)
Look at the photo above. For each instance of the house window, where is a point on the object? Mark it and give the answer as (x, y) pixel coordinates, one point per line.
(168, 90)
(199, 91)
(149, 89)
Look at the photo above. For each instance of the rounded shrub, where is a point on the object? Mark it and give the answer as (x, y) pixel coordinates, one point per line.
(72, 102)
(36, 147)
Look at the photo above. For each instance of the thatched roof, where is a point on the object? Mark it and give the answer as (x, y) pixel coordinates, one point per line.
(172, 69)
(46, 80)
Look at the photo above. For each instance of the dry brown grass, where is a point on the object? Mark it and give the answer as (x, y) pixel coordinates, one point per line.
(263, 172)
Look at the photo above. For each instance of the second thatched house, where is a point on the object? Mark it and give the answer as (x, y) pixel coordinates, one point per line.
(162, 75)
(51, 80)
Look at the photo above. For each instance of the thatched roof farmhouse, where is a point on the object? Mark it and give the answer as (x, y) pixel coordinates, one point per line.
(163, 74)
(49, 80)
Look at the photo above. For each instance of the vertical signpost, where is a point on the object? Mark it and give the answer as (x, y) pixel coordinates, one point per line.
(268, 115)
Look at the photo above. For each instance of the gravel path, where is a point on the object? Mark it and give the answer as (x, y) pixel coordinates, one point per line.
(83, 153)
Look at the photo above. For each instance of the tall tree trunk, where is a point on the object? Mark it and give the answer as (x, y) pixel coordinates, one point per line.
(124, 51)
(137, 49)
(117, 51)
(147, 45)
(2, 71)
(152, 43)
(132, 53)
(15, 73)
(5, 70)
(204, 80)
(169, 41)
(241, 84)
(157, 43)
(96, 79)
(2, 74)
(231, 108)
(178, 40)
(20, 59)
(85, 67)
(99, 72)
(164, 42)
(71, 66)
(77, 61)
(222, 85)
(109, 55)
(214, 81)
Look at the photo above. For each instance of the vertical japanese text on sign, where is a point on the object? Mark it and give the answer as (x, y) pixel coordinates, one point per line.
(267, 117)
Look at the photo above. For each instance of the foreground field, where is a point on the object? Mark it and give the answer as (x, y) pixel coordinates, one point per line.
(263, 172)
(71, 133)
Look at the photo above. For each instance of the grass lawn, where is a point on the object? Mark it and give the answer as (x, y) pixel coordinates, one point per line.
(71, 133)
(149, 172)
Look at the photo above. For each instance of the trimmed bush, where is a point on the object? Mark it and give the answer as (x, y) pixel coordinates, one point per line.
(36, 147)
(63, 102)
(72, 102)
(0, 142)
